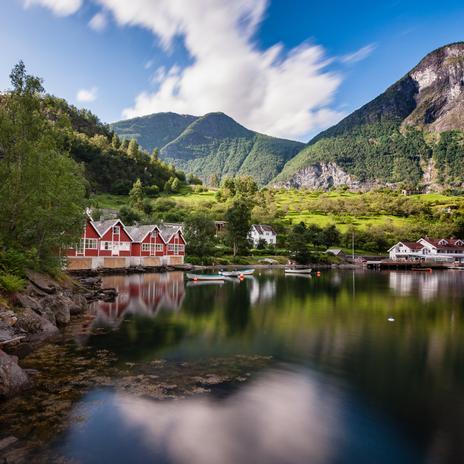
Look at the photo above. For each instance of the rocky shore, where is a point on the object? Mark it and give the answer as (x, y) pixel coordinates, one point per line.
(37, 314)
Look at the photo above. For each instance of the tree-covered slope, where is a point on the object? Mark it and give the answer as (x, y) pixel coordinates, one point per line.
(412, 133)
(213, 144)
(155, 130)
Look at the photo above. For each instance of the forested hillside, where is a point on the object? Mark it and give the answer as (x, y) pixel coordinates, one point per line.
(110, 164)
(411, 134)
(211, 145)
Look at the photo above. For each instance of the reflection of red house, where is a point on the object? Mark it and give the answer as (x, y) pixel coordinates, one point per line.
(149, 245)
(142, 294)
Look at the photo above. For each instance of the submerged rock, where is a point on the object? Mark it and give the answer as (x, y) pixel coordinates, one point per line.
(12, 377)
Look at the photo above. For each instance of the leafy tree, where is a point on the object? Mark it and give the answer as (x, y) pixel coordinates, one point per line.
(133, 149)
(297, 243)
(129, 216)
(42, 190)
(192, 179)
(124, 145)
(155, 154)
(200, 235)
(136, 195)
(238, 217)
(115, 141)
(214, 181)
(330, 236)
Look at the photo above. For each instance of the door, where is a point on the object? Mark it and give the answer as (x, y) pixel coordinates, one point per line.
(115, 249)
(80, 250)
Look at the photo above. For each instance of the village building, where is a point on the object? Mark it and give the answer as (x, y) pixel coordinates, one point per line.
(427, 249)
(336, 252)
(262, 232)
(110, 244)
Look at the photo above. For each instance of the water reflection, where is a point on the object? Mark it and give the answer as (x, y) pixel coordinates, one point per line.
(142, 295)
(289, 416)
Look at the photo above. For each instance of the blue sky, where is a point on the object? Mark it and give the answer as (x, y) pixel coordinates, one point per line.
(286, 68)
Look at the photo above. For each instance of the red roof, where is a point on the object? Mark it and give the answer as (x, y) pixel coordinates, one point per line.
(413, 245)
(451, 243)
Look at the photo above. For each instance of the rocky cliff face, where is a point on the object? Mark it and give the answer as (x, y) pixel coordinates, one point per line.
(373, 143)
(321, 176)
(439, 98)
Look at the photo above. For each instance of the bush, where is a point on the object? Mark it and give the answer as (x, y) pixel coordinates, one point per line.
(11, 283)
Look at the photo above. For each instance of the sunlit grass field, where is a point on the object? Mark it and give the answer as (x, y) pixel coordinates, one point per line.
(295, 204)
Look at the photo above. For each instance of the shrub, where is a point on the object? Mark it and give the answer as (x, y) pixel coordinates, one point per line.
(11, 283)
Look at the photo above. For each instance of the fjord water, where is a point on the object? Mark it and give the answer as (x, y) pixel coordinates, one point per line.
(349, 367)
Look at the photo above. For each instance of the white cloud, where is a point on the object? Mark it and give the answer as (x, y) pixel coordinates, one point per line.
(59, 7)
(271, 91)
(148, 64)
(87, 95)
(359, 55)
(98, 22)
(281, 92)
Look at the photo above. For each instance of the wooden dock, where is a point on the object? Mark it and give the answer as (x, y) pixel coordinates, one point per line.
(406, 265)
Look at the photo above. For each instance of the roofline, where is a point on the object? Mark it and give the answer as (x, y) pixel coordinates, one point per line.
(112, 225)
(155, 226)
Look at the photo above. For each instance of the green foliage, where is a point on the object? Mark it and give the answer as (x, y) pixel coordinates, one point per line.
(136, 195)
(42, 192)
(133, 149)
(11, 283)
(238, 217)
(200, 232)
(129, 216)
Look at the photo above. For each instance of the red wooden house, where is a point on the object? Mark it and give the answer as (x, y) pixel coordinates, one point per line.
(147, 241)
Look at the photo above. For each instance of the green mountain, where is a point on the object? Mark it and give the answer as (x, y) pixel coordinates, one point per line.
(154, 130)
(412, 134)
(211, 144)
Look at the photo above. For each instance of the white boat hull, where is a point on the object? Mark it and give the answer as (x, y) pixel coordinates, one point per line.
(205, 277)
(298, 271)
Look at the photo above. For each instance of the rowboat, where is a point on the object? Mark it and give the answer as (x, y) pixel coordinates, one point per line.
(305, 276)
(196, 277)
(298, 271)
(237, 273)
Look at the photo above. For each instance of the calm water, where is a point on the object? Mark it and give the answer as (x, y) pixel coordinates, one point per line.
(349, 367)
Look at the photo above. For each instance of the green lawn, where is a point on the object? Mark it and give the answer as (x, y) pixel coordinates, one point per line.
(295, 204)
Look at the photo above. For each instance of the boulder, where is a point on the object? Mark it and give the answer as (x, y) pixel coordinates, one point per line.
(32, 323)
(42, 282)
(12, 377)
(61, 306)
(80, 304)
(26, 301)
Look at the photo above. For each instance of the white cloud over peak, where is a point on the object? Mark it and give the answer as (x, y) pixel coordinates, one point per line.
(280, 92)
(87, 95)
(59, 7)
(98, 22)
(360, 54)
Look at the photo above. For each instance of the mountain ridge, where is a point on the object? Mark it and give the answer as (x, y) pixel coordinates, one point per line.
(415, 123)
(212, 144)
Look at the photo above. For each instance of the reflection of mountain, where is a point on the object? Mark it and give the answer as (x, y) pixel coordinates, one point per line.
(142, 294)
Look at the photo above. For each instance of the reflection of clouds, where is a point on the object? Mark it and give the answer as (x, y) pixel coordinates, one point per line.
(283, 417)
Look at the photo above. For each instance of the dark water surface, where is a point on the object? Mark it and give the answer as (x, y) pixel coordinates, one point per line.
(349, 367)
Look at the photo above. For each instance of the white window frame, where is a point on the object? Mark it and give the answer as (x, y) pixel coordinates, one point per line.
(91, 244)
(117, 230)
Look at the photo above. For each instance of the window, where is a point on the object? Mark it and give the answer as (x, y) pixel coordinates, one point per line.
(170, 247)
(106, 245)
(91, 243)
(159, 247)
(116, 230)
(154, 234)
(145, 247)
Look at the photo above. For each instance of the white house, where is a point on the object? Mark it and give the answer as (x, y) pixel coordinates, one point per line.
(262, 232)
(406, 250)
(429, 249)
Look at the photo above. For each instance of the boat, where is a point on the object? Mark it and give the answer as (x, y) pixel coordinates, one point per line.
(237, 273)
(423, 269)
(196, 277)
(298, 271)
